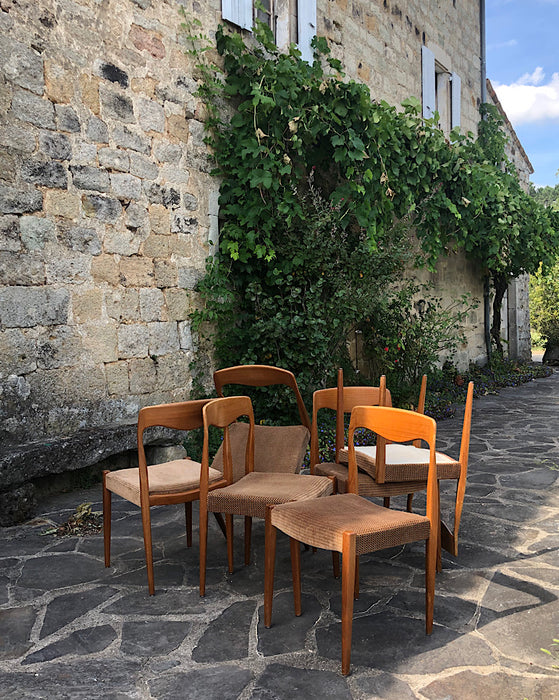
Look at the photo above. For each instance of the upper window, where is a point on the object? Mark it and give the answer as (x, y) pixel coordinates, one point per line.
(441, 90)
(290, 20)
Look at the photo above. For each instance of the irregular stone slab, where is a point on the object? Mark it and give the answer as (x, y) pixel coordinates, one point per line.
(80, 642)
(162, 603)
(4, 597)
(533, 479)
(76, 680)
(227, 636)
(152, 637)
(15, 627)
(399, 644)
(166, 575)
(288, 632)
(279, 682)
(449, 611)
(60, 570)
(368, 601)
(463, 583)
(66, 608)
(507, 594)
(547, 575)
(468, 685)
(385, 687)
(225, 683)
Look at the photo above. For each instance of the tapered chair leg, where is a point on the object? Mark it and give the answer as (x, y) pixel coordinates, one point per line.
(106, 520)
(348, 587)
(229, 530)
(248, 539)
(409, 502)
(430, 566)
(269, 566)
(188, 518)
(203, 536)
(336, 564)
(356, 580)
(146, 526)
(296, 574)
(386, 502)
(221, 522)
(439, 564)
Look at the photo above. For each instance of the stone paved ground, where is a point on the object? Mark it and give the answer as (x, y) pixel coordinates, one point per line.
(69, 628)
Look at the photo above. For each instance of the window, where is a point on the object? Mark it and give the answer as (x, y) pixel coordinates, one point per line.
(290, 20)
(441, 89)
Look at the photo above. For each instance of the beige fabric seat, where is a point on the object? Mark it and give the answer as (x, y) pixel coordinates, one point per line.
(349, 524)
(367, 486)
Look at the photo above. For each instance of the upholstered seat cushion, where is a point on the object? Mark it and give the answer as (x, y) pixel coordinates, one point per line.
(277, 448)
(366, 485)
(403, 462)
(251, 494)
(322, 522)
(170, 477)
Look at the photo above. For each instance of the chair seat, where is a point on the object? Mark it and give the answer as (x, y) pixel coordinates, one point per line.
(366, 485)
(403, 462)
(322, 522)
(250, 495)
(168, 478)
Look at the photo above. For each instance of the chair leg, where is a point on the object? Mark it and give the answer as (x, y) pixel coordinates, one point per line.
(106, 520)
(295, 546)
(348, 587)
(269, 565)
(248, 539)
(409, 503)
(336, 564)
(386, 502)
(229, 530)
(356, 580)
(439, 565)
(221, 522)
(430, 566)
(146, 526)
(188, 518)
(203, 536)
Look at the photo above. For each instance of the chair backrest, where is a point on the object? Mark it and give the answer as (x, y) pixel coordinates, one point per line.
(342, 400)
(261, 375)
(395, 425)
(466, 427)
(183, 415)
(222, 413)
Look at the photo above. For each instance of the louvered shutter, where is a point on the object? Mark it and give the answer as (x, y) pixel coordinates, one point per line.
(428, 82)
(306, 27)
(455, 96)
(238, 12)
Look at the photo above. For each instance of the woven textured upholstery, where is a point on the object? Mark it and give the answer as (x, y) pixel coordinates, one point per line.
(322, 522)
(250, 495)
(170, 477)
(366, 485)
(277, 448)
(403, 463)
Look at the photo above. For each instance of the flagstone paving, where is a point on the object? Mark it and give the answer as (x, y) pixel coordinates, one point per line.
(69, 628)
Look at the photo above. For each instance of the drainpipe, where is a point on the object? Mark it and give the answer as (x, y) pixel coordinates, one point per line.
(486, 290)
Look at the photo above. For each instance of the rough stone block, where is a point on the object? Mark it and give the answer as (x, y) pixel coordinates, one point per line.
(116, 105)
(189, 202)
(167, 152)
(126, 138)
(136, 272)
(152, 305)
(136, 215)
(117, 378)
(133, 341)
(143, 167)
(22, 65)
(102, 208)
(86, 177)
(178, 127)
(142, 375)
(172, 370)
(123, 305)
(185, 336)
(17, 139)
(97, 130)
(17, 201)
(60, 347)
(126, 186)
(17, 269)
(159, 194)
(64, 204)
(114, 159)
(163, 338)
(67, 119)
(184, 223)
(17, 352)
(174, 174)
(104, 268)
(36, 232)
(68, 267)
(55, 146)
(115, 74)
(59, 83)
(189, 277)
(166, 274)
(89, 85)
(85, 154)
(144, 40)
(100, 340)
(87, 305)
(25, 307)
(159, 219)
(48, 173)
(80, 239)
(150, 115)
(178, 304)
(145, 86)
(156, 247)
(123, 241)
(10, 233)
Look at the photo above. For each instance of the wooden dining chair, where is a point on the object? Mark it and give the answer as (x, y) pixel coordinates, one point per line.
(247, 494)
(352, 525)
(396, 470)
(277, 448)
(172, 482)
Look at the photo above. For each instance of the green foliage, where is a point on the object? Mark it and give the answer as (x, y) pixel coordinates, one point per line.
(547, 196)
(544, 305)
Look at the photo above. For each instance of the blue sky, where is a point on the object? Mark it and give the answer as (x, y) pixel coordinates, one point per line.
(523, 65)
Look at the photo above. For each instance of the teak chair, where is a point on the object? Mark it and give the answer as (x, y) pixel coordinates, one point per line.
(250, 493)
(159, 484)
(352, 525)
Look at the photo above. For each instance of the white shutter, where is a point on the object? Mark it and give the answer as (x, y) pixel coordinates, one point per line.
(455, 89)
(428, 82)
(306, 27)
(238, 12)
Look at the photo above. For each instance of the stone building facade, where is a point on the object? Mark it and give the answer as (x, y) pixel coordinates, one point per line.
(108, 210)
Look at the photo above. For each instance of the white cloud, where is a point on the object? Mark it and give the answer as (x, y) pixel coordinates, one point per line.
(530, 99)
(502, 45)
